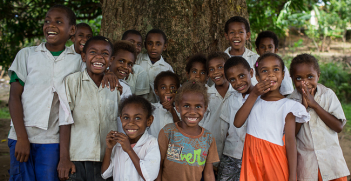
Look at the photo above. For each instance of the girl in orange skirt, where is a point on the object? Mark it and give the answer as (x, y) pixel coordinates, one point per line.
(269, 116)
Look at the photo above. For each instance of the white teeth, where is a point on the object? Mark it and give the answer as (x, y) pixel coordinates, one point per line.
(192, 119)
(236, 41)
(217, 77)
(131, 130)
(97, 64)
(52, 33)
(122, 72)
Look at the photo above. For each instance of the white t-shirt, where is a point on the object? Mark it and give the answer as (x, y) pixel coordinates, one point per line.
(122, 168)
(267, 118)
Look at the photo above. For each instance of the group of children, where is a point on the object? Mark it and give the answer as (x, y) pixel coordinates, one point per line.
(103, 111)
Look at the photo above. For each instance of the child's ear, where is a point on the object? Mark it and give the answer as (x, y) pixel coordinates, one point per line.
(251, 72)
(226, 36)
(276, 50)
(72, 31)
(111, 60)
(165, 47)
(82, 54)
(149, 121)
(248, 35)
(177, 108)
(187, 76)
(73, 38)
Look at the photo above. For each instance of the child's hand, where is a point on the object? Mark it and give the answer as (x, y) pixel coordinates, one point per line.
(124, 141)
(308, 97)
(111, 139)
(22, 150)
(168, 104)
(261, 88)
(63, 168)
(110, 80)
(120, 89)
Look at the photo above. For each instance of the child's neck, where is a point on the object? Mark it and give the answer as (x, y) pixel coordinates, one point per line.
(274, 95)
(193, 131)
(135, 140)
(54, 48)
(248, 91)
(154, 60)
(97, 78)
(222, 89)
(237, 52)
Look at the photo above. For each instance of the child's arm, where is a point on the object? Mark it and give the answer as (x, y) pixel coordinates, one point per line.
(331, 121)
(22, 148)
(110, 80)
(290, 142)
(124, 141)
(242, 114)
(110, 143)
(208, 172)
(169, 106)
(297, 128)
(65, 165)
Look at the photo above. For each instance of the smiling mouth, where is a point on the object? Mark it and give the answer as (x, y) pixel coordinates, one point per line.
(98, 64)
(168, 98)
(217, 78)
(123, 73)
(192, 120)
(236, 42)
(52, 33)
(131, 130)
(82, 45)
(241, 88)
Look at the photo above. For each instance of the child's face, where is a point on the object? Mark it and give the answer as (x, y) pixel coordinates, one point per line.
(136, 40)
(191, 108)
(198, 72)
(57, 29)
(155, 45)
(216, 71)
(266, 45)
(83, 34)
(97, 56)
(134, 121)
(270, 69)
(305, 73)
(237, 35)
(240, 78)
(122, 64)
(166, 89)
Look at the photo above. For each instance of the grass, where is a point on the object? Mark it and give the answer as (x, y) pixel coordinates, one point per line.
(5, 113)
(347, 111)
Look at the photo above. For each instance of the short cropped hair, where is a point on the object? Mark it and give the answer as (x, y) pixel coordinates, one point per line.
(235, 61)
(125, 45)
(69, 13)
(134, 32)
(200, 58)
(214, 55)
(192, 86)
(237, 19)
(267, 34)
(84, 25)
(157, 31)
(164, 74)
(304, 59)
(98, 38)
(266, 55)
(134, 99)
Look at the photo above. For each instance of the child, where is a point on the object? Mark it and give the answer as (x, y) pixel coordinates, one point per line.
(217, 121)
(322, 157)
(239, 74)
(135, 155)
(267, 41)
(83, 33)
(166, 86)
(188, 150)
(269, 116)
(37, 99)
(196, 68)
(94, 110)
(138, 79)
(152, 62)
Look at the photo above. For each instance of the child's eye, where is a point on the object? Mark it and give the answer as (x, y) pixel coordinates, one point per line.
(121, 61)
(58, 22)
(172, 87)
(211, 69)
(130, 64)
(158, 44)
(264, 71)
(125, 117)
(186, 106)
(197, 107)
(163, 87)
(88, 37)
(310, 77)
(106, 54)
(80, 35)
(46, 21)
(92, 52)
(220, 67)
(298, 78)
(139, 44)
(241, 76)
(231, 80)
(203, 73)
(194, 71)
(137, 118)
(276, 69)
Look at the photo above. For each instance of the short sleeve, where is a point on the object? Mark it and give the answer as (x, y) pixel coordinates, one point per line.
(142, 83)
(163, 144)
(299, 111)
(19, 65)
(126, 90)
(71, 90)
(109, 172)
(212, 156)
(14, 78)
(335, 107)
(150, 165)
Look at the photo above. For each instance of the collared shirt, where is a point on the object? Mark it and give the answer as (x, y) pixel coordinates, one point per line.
(152, 70)
(125, 93)
(122, 168)
(162, 117)
(234, 144)
(251, 58)
(217, 121)
(138, 81)
(43, 99)
(94, 112)
(317, 144)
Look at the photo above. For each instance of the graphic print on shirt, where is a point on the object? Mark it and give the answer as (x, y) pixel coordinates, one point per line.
(184, 150)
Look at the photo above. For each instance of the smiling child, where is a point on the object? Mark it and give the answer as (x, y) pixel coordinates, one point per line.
(83, 34)
(134, 155)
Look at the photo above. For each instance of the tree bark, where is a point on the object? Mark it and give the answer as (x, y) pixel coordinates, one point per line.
(191, 26)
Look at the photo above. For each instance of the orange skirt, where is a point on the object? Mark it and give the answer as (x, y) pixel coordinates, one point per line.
(338, 179)
(263, 161)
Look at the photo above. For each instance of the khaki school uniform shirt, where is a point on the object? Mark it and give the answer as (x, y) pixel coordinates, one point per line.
(44, 101)
(317, 144)
(152, 71)
(94, 112)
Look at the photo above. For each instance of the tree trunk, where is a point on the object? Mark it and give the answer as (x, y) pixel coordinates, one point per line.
(191, 26)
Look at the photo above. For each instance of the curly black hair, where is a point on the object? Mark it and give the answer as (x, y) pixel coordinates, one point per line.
(267, 34)
(237, 19)
(266, 55)
(134, 99)
(201, 58)
(235, 61)
(304, 59)
(69, 13)
(98, 38)
(164, 74)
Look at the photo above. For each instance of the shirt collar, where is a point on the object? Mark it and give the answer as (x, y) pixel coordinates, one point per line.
(295, 95)
(247, 52)
(147, 58)
(141, 141)
(213, 90)
(43, 48)
(86, 75)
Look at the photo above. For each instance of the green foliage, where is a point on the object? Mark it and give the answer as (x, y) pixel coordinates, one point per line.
(347, 112)
(5, 113)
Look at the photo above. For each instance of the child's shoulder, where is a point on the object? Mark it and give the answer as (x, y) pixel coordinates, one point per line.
(325, 91)
(169, 128)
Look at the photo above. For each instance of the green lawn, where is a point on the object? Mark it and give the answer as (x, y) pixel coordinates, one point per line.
(347, 111)
(4, 113)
